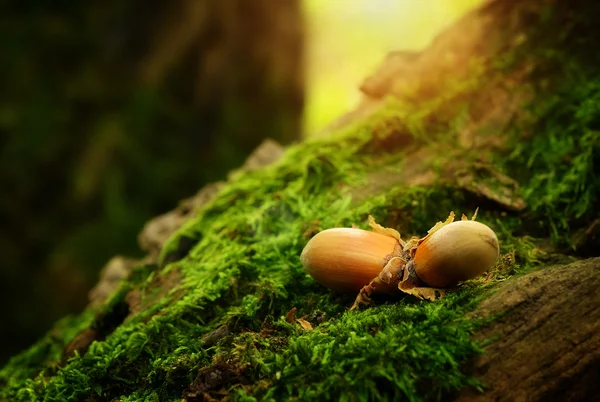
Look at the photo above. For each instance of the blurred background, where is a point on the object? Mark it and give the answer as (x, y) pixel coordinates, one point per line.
(111, 111)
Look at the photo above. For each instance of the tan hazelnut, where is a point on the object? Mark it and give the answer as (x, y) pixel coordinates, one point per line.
(459, 251)
(346, 259)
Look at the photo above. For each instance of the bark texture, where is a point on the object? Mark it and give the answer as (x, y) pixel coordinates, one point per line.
(545, 343)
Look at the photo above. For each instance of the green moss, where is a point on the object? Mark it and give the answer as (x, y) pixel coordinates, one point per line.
(42, 359)
(555, 139)
(557, 165)
(403, 351)
(243, 270)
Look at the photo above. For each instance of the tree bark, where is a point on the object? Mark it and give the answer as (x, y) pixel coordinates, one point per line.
(545, 342)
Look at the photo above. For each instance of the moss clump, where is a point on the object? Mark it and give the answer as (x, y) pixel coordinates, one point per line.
(42, 358)
(243, 271)
(402, 351)
(559, 164)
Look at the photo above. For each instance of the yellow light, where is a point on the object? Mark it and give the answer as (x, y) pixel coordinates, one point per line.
(347, 39)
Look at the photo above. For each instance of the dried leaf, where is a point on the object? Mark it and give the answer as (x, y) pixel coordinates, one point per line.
(307, 326)
(441, 224)
(377, 228)
(413, 286)
(425, 293)
(291, 315)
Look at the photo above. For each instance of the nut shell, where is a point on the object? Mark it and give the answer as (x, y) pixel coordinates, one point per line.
(346, 259)
(457, 252)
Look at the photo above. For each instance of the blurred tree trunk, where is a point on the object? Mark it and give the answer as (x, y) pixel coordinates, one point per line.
(239, 65)
(113, 111)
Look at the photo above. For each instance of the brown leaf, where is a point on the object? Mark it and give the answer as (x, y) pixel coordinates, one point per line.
(307, 326)
(291, 315)
(311, 230)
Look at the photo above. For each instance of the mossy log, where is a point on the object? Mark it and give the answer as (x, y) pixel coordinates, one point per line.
(500, 113)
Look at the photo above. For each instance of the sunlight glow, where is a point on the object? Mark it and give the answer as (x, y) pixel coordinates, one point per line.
(348, 39)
